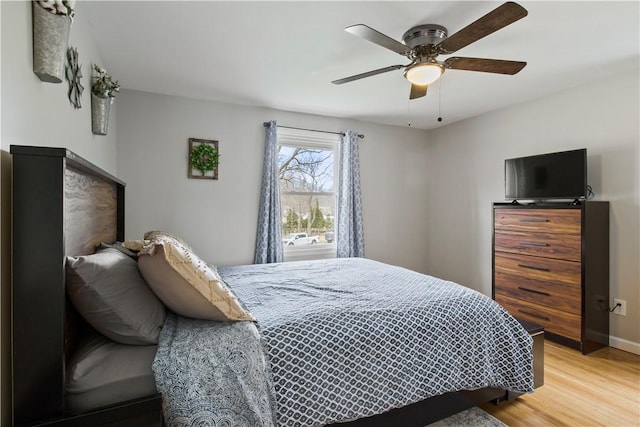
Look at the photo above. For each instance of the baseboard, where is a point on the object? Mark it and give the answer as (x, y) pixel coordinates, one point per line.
(625, 345)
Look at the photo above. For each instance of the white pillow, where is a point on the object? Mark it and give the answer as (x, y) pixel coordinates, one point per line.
(185, 283)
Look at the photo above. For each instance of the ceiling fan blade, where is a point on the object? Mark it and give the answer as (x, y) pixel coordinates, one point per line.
(378, 38)
(499, 18)
(367, 74)
(499, 66)
(418, 91)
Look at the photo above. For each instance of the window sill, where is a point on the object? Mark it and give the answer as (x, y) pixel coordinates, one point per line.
(318, 251)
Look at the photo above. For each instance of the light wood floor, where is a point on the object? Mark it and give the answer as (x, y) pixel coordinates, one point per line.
(599, 389)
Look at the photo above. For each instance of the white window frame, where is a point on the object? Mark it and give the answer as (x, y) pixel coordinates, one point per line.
(321, 140)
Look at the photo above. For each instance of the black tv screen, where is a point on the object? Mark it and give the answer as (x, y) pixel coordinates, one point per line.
(560, 175)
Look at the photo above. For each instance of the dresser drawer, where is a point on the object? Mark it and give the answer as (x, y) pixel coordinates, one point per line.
(562, 246)
(554, 321)
(539, 269)
(564, 221)
(566, 298)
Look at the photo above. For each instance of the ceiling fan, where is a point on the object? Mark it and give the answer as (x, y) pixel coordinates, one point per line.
(424, 43)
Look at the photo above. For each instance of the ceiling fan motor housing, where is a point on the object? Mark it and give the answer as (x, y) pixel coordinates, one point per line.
(424, 35)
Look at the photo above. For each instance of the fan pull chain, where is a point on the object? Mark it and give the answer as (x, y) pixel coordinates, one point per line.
(440, 99)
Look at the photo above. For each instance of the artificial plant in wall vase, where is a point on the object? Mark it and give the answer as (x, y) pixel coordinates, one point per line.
(103, 91)
(51, 25)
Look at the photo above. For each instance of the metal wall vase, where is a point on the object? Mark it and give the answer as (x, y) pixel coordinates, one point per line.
(100, 114)
(50, 40)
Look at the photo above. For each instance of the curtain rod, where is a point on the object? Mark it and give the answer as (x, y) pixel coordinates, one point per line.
(265, 124)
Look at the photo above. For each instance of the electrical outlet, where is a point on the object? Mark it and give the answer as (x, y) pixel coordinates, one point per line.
(622, 309)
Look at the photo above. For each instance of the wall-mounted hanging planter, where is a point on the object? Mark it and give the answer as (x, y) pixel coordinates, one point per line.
(103, 90)
(50, 40)
(100, 114)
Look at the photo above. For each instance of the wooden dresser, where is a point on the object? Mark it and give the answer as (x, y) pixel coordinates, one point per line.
(551, 267)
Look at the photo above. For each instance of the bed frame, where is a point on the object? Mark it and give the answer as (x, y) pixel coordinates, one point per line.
(62, 206)
(65, 206)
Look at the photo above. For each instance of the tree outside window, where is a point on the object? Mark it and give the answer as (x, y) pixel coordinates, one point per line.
(306, 176)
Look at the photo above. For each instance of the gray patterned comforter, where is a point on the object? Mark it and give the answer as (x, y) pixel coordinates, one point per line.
(338, 340)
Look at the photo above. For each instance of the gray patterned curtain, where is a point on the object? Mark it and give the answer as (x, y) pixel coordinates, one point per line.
(269, 238)
(349, 232)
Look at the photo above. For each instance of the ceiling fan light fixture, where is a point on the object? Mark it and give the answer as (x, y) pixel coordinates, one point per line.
(424, 73)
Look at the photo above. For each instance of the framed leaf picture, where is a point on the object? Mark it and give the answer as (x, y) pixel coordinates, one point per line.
(203, 158)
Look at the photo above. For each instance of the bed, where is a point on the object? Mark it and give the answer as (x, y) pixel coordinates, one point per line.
(63, 206)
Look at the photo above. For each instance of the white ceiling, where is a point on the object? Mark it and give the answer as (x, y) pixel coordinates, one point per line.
(284, 55)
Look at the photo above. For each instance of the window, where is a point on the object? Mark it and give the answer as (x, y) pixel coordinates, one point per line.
(307, 176)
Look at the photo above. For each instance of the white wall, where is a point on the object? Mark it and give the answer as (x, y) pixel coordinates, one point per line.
(466, 176)
(219, 218)
(37, 113)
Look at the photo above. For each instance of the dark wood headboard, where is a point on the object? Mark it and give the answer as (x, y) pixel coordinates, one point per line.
(62, 206)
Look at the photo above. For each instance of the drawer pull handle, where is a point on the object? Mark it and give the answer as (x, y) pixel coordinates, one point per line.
(532, 267)
(536, 315)
(540, 244)
(534, 291)
(533, 220)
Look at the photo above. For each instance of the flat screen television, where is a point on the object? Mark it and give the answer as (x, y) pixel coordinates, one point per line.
(561, 175)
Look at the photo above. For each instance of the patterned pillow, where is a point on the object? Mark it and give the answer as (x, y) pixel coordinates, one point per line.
(107, 290)
(149, 235)
(185, 283)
